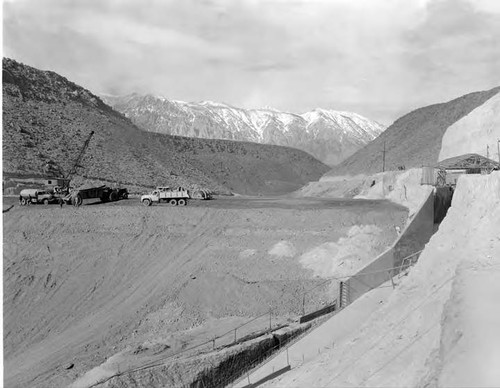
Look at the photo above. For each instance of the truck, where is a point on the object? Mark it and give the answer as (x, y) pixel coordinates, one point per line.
(29, 196)
(104, 193)
(173, 196)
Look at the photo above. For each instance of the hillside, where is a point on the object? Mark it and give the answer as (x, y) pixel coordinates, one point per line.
(47, 118)
(328, 135)
(475, 132)
(413, 140)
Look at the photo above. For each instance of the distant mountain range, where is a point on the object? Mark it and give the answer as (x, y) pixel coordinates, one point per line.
(328, 135)
(47, 118)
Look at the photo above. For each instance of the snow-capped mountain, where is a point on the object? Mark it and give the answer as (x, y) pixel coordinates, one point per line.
(328, 135)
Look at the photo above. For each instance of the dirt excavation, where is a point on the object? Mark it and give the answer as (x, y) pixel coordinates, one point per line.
(108, 287)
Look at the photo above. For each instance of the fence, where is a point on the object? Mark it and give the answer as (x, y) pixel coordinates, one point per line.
(362, 282)
(250, 329)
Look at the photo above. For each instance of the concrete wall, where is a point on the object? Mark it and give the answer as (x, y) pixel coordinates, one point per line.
(413, 239)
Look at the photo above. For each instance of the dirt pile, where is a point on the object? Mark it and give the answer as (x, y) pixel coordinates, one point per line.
(47, 118)
(81, 285)
(474, 133)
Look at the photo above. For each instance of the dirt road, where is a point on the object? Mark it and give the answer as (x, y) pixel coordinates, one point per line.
(82, 284)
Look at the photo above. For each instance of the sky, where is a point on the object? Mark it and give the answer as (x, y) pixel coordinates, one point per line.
(378, 58)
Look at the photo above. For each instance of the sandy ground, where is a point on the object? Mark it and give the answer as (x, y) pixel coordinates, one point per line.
(474, 132)
(439, 327)
(83, 285)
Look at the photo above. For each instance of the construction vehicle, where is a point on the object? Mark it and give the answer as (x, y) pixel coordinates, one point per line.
(34, 196)
(104, 193)
(200, 194)
(63, 190)
(172, 196)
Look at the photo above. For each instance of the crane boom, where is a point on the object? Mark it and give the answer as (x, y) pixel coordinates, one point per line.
(78, 159)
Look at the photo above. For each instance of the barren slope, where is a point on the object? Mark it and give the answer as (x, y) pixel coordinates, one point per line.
(440, 325)
(413, 140)
(47, 118)
(80, 285)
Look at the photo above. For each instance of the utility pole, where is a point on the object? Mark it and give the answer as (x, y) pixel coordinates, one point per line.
(383, 158)
(498, 149)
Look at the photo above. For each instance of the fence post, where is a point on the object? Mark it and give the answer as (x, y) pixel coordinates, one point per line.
(304, 304)
(392, 279)
(234, 335)
(287, 359)
(270, 320)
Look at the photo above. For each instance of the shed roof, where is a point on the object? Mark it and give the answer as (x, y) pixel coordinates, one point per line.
(468, 161)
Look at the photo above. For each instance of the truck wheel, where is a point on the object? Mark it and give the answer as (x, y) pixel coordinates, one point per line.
(23, 202)
(173, 202)
(146, 202)
(182, 202)
(125, 196)
(113, 196)
(45, 201)
(77, 201)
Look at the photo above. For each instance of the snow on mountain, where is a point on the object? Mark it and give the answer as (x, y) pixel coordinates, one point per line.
(328, 135)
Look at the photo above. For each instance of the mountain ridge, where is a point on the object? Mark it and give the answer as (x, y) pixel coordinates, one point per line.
(46, 119)
(414, 139)
(328, 135)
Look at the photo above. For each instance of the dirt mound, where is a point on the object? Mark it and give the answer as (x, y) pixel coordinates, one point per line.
(47, 118)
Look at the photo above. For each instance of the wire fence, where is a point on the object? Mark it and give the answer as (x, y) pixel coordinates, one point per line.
(251, 329)
(216, 373)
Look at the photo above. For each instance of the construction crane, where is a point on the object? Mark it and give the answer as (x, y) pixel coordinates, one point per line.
(79, 158)
(67, 177)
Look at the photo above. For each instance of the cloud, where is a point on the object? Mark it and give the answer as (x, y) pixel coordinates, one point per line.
(379, 58)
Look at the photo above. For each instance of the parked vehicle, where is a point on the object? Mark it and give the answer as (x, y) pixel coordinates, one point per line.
(28, 196)
(200, 194)
(174, 197)
(104, 193)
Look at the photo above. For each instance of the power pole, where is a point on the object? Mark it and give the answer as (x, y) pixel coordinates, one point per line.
(498, 149)
(383, 158)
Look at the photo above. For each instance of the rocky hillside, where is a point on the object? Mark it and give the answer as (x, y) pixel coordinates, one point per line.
(328, 135)
(47, 118)
(414, 140)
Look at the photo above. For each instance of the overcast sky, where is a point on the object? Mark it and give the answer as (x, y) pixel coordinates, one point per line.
(379, 58)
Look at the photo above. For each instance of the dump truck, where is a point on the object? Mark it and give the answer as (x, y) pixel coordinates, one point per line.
(173, 196)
